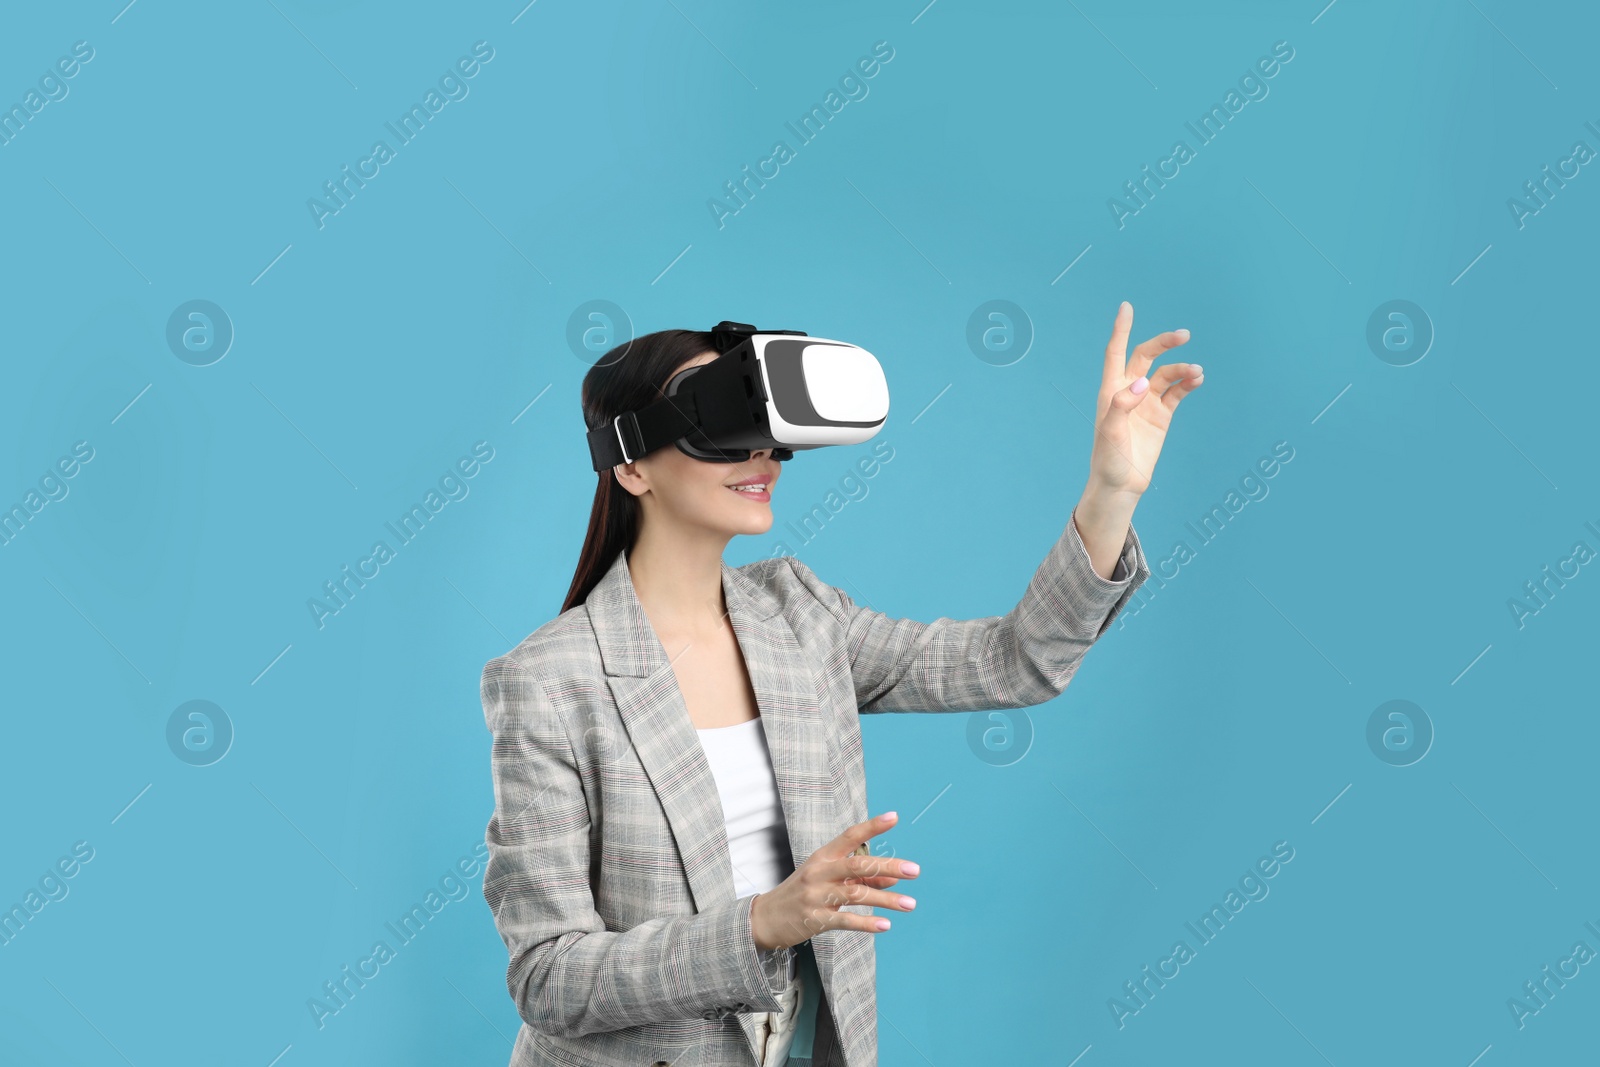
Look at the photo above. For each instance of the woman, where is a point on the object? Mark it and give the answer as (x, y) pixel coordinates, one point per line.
(679, 858)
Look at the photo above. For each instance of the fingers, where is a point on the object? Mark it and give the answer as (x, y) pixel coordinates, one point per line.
(1172, 373)
(829, 919)
(1170, 384)
(826, 912)
(855, 894)
(1117, 347)
(848, 874)
(865, 870)
(876, 883)
(1183, 386)
(1146, 353)
(857, 836)
(1117, 363)
(1127, 398)
(870, 924)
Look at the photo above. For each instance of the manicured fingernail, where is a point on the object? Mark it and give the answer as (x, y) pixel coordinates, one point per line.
(1139, 386)
(907, 867)
(1195, 370)
(890, 815)
(1124, 306)
(908, 903)
(1182, 333)
(883, 924)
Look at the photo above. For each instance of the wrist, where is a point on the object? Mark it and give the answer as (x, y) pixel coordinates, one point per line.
(1100, 499)
(1102, 519)
(756, 929)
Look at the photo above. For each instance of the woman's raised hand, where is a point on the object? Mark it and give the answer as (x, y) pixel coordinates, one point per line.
(808, 901)
(1135, 407)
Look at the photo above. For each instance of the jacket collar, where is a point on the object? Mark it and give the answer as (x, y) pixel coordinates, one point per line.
(628, 643)
(805, 756)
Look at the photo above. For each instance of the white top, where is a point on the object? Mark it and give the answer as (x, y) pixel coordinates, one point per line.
(758, 836)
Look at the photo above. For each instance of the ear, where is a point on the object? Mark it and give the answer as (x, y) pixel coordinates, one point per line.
(629, 478)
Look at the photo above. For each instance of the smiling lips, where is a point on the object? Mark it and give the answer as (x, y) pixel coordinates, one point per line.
(755, 487)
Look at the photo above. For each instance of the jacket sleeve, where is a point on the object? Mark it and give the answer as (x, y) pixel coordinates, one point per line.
(1024, 657)
(568, 974)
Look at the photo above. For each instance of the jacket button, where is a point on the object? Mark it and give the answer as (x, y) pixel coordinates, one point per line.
(661, 1063)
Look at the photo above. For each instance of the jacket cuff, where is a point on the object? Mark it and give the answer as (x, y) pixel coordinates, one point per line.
(757, 989)
(1107, 595)
(779, 966)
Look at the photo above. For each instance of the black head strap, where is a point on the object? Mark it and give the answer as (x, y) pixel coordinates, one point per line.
(726, 335)
(668, 418)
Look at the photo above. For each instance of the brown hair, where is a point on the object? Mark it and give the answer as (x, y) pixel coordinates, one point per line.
(625, 378)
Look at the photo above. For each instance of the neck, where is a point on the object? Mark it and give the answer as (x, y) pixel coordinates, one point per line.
(678, 580)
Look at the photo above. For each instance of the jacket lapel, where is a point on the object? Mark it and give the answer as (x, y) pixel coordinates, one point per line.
(641, 680)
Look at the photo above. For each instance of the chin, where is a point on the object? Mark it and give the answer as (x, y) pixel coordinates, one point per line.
(759, 525)
(754, 522)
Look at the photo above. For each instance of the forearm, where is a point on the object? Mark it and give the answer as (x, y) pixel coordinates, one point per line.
(663, 970)
(1019, 659)
(1102, 517)
(570, 975)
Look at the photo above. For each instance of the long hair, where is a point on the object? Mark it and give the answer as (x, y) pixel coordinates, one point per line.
(628, 377)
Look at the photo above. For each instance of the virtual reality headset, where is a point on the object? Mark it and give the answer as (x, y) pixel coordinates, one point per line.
(776, 389)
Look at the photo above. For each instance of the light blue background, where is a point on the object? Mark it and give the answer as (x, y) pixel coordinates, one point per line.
(432, 311)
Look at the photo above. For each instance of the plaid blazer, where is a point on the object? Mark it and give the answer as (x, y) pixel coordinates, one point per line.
(609, 875)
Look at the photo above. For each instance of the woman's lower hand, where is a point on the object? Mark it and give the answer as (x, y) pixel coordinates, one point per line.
(808, 901)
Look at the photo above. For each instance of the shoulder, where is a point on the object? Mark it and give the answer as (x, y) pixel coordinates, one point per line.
(566, 639)
(543, 667)
(792, 584)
